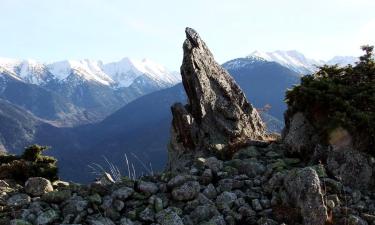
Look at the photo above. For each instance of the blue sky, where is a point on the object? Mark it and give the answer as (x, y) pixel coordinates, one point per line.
(51, 30)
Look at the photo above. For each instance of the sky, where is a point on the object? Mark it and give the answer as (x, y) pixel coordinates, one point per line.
(109, 30)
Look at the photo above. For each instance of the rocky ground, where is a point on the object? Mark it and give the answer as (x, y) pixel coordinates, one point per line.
(257, 181)
(258, 186)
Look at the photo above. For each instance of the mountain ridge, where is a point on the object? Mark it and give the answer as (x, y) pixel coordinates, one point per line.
(298, 62)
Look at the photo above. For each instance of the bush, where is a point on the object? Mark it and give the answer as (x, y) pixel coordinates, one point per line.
(340, 96)
(30, 164)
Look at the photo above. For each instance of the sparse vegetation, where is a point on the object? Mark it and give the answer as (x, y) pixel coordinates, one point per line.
(30, 164)
(340, 96)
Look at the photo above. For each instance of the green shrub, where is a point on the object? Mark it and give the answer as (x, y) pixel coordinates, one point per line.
(340, 96)
(30, 164)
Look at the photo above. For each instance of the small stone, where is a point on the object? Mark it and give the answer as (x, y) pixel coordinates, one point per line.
(210, 191)
(272, 154)
(187, 191)
(225, 185)
(75, 205)
(168, 217)
(292, 161)
(256, 205)
(47, 217)
(203, 213)
(123, 193)
(147, 215)
(126, 221)
(225, 199)
(147, 187)
(248, 152)
(101, 221)
(56, 196)
(95, 199)
(60, 184)
(266, 221)
(158, 204)
(37, 186)
(246, 211)
(214, 164)
(265, 203)
(356, 196)
(178, 180)
(118, 205)
(19, 222)
(19, 200)
(206, 177)
(356, 220)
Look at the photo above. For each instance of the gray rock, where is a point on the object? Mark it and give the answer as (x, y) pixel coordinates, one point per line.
(214, 164)
(351, 166)
(19, 222)
(118, 205)
(225, 199)
(147, 187)
(256, 205)
(168, 217)
(126, 221)
(217, 115)
(356, 220)
(47, 217)
(210, 191)
(187, 191)
(37, 186)
(19, 200)
(74, 206)
(266, 221)
(203, 213)
(57, 196)
(225, 184)
(179, 180)
(101, 221)
(123, 193)
(248, 152)
(147, 215)
(303, 189)
(298, 133)
(251, 167)
(158, 204)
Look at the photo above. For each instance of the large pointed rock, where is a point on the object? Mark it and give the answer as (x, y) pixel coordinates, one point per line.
(218, 116)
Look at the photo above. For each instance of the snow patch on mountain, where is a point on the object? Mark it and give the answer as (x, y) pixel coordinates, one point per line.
(125, 71)
(291, 59)
(86, 69)
(298, 62)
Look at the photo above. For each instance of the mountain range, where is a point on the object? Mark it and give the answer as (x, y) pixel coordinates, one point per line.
(86, 109)
(69, 93)
(299, 63)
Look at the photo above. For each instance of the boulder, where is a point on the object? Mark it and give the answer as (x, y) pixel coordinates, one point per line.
(304, 192)
(37, 186)
(187, 191)
(218, 118)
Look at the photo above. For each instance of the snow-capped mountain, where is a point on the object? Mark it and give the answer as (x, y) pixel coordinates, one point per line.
(342, 60)
(88, 87)
(126, 71)
(117, 74)
(89, 70)
(300, 63)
